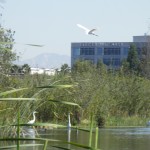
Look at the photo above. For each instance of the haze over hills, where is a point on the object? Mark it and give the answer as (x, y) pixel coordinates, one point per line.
(46, 60)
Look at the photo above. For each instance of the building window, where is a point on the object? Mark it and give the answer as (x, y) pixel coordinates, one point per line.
(76, 51)
(112, 61)
(99, 51)
(111, 51)
(125, 51)
(87, 51)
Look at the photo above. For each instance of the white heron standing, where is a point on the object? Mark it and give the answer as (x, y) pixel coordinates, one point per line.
(33, 120)
(69, 122)
(28, 131)
(148, 123)
(69, 130)
(87, 31)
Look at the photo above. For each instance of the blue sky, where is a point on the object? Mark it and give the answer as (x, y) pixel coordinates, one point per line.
(53, 22)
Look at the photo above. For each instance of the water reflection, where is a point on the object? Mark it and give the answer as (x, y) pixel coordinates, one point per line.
(125, 138)
(109, 139)
(69, 135)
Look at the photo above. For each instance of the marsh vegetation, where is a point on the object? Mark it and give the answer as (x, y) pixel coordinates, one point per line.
(112, 97)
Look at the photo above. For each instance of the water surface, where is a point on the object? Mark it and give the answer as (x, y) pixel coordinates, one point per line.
(109, 139)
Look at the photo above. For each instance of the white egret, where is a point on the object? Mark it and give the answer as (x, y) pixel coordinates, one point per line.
(148, 123)
(32, 121)
(87, 31)
(69, 122)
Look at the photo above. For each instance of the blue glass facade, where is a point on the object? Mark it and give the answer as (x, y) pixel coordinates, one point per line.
(99, 51)
(125, 51)
(76, 51)
(87, 51)
(114, 62)
(110, 53)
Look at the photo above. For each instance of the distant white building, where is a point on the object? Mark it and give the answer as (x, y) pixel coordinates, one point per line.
(42, 71)
(50, 71)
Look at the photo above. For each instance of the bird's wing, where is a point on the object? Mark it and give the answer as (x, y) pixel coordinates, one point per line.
(91, 31)
(84, 28)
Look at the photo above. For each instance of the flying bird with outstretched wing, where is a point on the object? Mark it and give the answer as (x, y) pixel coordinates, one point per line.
(87, 31)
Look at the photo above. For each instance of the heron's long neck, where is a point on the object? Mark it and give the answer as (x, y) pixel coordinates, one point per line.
(34, 116)
(69, 118)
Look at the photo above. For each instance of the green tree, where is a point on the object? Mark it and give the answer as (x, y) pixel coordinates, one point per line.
(6, 53)
(15, 69)
(26, 68)
(7, 56)
(145, 60)
(133, 58)
(101, 67)
(82, 66)
(65, 68)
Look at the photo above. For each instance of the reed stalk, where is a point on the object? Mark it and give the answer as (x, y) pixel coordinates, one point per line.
(45, 144)
(96, 137)
(18, 130)
(91, 128)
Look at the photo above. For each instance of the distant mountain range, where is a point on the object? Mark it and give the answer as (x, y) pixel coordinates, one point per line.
(46, 60)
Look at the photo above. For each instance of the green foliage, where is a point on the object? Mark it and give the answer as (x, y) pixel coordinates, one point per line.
(82, 66)
(107, 93)
(65, 69)
(133, 59)
(145, 61)
(119, 121)
(6, 54)
(24, 69)
(96, 90)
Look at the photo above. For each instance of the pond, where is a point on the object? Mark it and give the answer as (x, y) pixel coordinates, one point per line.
(109, 138)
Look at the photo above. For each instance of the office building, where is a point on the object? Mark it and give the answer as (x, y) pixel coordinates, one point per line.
(110, 53)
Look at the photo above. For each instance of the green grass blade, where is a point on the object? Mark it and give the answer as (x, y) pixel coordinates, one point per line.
(80, 145)
(18, 130)
(81, 129)
(22, 145)
(45, 144)
(18, 99)
(91, 128)
(11, 91)
(5, 110)
(64, 102)
(61, 147)
(43, 124)
(29, 139)
(96, 137)
(52, 140)
(56, 86)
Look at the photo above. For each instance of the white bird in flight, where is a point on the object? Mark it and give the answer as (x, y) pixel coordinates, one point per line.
(87, 31)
